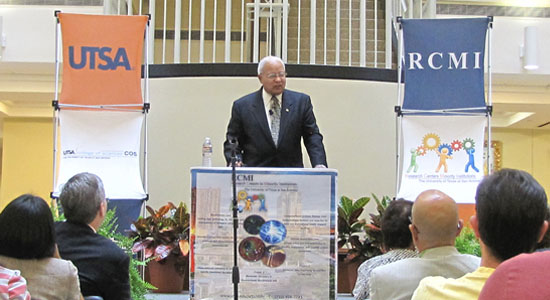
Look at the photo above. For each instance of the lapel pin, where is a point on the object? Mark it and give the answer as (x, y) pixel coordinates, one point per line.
(287, 110)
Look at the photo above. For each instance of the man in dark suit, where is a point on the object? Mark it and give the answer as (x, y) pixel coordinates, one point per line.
(267, 126)
(102, 265)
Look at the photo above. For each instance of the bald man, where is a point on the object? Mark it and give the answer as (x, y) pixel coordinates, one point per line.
(510, 218)
(434, 228)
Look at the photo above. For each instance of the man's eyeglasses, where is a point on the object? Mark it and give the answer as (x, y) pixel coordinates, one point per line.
(275, 75)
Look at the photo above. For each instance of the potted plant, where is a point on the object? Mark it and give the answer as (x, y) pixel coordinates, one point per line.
(358, 240)
(372, 229)
(163, 236)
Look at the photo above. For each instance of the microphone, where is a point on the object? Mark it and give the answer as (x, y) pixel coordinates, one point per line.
(271, 112)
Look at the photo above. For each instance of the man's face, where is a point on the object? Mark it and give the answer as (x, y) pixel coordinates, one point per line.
(273, 78)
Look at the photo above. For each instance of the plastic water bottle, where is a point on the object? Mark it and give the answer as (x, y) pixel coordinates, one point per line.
(207, 153)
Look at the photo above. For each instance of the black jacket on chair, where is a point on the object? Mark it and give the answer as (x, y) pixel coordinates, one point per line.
(102, 265)
(248, 125)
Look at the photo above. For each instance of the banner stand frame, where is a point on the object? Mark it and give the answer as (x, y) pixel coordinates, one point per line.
(486, 111)
(121, 107)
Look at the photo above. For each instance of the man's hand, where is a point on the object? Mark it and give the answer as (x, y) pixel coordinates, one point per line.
(237, 164)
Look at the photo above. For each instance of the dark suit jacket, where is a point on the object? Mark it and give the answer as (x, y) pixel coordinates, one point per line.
(248, 125)
(102, 265)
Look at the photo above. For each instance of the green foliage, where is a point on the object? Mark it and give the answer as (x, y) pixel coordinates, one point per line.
(349, 226)
(108, 227)
(467, 243)
(372, 229)
(57, 217)
(164, 232)
(138, 287)
(363, 239)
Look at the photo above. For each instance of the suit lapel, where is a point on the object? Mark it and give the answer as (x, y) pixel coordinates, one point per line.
(286, 109)
(257, 110)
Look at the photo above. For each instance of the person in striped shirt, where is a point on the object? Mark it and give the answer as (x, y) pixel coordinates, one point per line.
(12, 285)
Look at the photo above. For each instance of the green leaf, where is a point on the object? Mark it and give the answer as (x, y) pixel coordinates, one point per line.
(360, 203)
(347, 205)
(381, 204)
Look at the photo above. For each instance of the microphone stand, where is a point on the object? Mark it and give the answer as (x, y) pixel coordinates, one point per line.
(235, 271)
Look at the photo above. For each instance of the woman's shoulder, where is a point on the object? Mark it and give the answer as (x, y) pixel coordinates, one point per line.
(59, 267)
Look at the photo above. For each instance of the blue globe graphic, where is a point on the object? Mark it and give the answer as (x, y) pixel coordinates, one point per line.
(273, 232)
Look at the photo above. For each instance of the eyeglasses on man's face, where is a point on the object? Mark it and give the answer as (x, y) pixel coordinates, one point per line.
(276, 75)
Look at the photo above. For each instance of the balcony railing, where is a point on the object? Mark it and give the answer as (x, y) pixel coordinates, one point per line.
(324, 32)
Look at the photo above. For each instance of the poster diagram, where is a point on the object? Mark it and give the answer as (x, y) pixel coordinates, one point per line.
(286, 242)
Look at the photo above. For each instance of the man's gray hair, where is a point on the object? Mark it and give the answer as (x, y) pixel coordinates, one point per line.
(81, 197)
(271, 59)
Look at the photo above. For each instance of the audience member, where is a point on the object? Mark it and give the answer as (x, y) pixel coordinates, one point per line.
(435, 226)
(102, 265)
(12, 285)
(544, 244)
(397, 242)
(510, 217)
(27, 243)
(522, 277)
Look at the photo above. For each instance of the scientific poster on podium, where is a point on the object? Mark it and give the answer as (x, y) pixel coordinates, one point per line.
(286, 235)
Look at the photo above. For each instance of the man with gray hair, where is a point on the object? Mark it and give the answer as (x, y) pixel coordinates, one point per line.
(267, 127)
(102, 265)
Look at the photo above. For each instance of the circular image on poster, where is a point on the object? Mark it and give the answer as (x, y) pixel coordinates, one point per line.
(274, 256)
(253, 223)
(273, 232)
(251, 249)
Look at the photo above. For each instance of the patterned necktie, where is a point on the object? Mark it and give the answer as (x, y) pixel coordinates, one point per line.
(275, 116)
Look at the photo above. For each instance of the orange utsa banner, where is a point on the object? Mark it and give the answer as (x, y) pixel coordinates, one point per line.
(102, 57)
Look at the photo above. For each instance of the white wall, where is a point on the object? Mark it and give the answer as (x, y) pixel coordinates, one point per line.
(355, 117)
(30, 31)
(508, 36)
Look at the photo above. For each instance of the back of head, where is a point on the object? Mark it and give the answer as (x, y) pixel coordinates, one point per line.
(395, 225)
(511, 207)
(81, 197)
(27, 228)
(435, 215)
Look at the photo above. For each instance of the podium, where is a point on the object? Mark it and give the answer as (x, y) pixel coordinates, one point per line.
(286, 236)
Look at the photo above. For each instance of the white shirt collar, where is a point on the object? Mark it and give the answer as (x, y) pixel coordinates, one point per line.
(267, 99)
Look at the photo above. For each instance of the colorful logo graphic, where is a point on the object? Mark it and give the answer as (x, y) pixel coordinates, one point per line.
(251, 202)
(444, 151)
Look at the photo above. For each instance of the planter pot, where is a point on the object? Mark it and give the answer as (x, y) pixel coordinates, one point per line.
(164, 276)
(347, 273)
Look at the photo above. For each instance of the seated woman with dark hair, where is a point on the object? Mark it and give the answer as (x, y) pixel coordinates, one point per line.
(27, 243)
(397, 240)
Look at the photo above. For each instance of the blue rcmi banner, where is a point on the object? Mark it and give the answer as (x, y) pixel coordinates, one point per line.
(444, 63)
